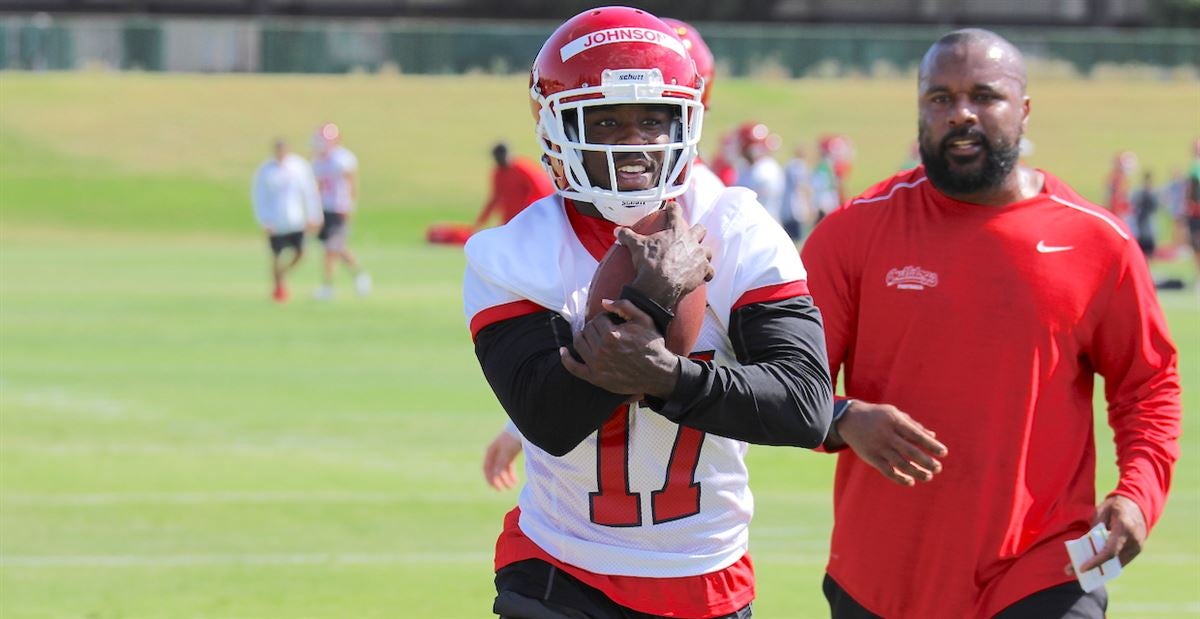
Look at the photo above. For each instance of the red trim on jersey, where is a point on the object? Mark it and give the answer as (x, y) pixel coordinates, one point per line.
(595, 233)
(496, 313)
(707, 595)
(775, 292)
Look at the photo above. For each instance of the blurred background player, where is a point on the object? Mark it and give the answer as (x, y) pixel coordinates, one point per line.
(336, 169)
(725, 163)
(826, 183)
(1145, 204)
(698, 51)
(1192, 207)
(838, 152)
(762, 174)
(797, 192)
(516, 183)
(285, 205)
(1174, 202)
(1120, 187)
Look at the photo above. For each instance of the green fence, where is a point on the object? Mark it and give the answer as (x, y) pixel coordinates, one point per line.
(142, 46)
(458, 48)
(36, 47)
(801, 49)
(424, 47)
(303, 49)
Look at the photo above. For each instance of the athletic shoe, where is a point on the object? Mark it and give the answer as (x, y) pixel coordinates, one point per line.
(280, 295)
(324, 293)
(362, 284)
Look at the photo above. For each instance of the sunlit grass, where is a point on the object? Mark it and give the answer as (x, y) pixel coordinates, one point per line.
(174, 445)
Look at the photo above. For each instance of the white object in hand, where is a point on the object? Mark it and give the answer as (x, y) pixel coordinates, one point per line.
(1087, 547)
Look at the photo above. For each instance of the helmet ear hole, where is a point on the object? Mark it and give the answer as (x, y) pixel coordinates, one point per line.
(558, 172)
(570, 121)
(573, 179)
(677, 136)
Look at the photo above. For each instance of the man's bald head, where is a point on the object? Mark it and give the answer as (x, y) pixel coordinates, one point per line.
(974, 45)
(972, 109)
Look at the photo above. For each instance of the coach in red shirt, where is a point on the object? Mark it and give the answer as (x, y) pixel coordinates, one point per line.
(516, 183)
(970, 303)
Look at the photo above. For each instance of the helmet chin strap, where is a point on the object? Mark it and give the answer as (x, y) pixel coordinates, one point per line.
(625, 213)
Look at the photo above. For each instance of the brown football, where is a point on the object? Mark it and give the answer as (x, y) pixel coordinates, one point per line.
(616, 270)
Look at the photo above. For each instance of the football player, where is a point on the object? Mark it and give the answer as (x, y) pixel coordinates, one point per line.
(285, 205)
(336, 169)
(762, 172)
(637, 499)
(501, 453)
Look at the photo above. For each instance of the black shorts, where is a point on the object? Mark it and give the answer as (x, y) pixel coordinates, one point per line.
(334, 227)
(280, 242)
(1193, 224)
(534, 588)
(1067, 601)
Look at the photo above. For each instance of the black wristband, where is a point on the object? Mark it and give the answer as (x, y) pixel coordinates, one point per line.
(832, 435)
(839, 409)
(661, 316)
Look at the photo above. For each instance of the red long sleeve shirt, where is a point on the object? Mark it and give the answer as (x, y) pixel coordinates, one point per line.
(988, 325)
(515, 187)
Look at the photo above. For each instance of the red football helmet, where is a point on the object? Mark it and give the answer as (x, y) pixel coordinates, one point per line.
(752, 133)
(699, 52)
(611, 56)
(754, 138)
(836, 146)
(325, 137)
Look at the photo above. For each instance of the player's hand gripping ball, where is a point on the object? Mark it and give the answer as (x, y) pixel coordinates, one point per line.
(616, 270)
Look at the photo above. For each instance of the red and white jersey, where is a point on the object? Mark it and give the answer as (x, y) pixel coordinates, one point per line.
(331, 169)
(642, 497)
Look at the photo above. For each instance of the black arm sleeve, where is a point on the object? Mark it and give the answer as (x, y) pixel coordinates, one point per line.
(551, 407)
(780, 395)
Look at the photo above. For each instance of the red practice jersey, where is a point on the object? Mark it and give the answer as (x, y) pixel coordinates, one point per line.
(515, 187)
(987, 325)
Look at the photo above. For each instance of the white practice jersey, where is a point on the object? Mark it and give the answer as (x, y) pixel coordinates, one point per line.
(285, 195)
(642, 496)
(331, 170)
(765, 178)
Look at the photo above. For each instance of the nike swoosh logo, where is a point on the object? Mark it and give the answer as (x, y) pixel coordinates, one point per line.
(1043, 248)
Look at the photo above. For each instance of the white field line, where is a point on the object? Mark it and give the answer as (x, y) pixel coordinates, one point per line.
(87, 448)
(65, 400)
(809, 497)
(1142, 609)
(219, 560)
(89, 499)
(335, 453)
(391, 558)
(84, 499)
(804, 558)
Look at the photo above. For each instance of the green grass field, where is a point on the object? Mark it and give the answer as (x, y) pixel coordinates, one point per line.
(174, 445)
